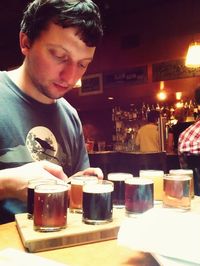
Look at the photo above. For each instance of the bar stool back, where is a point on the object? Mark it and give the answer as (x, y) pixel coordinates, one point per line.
(193, 162)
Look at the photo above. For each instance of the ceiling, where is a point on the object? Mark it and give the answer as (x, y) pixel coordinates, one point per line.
(114, 13)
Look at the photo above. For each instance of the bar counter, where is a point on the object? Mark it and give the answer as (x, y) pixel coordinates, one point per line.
(104, 253)
(118, 161)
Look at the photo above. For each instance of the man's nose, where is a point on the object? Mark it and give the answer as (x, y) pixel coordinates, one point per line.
(69, 74)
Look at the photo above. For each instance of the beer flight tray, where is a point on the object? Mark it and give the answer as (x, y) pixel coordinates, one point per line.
(76, 232)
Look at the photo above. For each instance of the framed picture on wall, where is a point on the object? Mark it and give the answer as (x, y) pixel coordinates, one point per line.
(91, 84)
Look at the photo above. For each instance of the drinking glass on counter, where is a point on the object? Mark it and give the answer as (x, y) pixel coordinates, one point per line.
(177, 192)
(50, 207)
(185, 172)
(97, 202)
(101, 145)
(157, 177)
(76, 192)
(118, 180)
(30, 196)
(138, 195)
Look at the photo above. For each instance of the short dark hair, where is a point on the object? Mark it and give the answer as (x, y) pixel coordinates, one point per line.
(82, 14)
(153, 116)
(197, 95)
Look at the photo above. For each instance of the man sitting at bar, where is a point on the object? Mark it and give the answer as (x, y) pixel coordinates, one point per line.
(41, 133)
(189, 139)
(147, 138)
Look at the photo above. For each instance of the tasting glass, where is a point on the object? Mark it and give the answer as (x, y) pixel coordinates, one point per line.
(157, 177)
(76, 191)
(177, 192)
(97, 202)
(50, 207)
(118, 180)
(188, 172)
(30, 195)
(138, 196)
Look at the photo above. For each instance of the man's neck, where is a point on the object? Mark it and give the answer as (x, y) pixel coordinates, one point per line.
(22, 81)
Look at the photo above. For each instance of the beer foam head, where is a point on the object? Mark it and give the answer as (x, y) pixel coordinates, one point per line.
(51, 188)
(100, 187)
(35, 182)
(181, 171)
(177, 177)
(119, 176)
(80, 180)
(138, 181)
(151, 173)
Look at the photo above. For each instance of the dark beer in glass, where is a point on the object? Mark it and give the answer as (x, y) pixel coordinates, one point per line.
(97, 202)
(138, 195)
(118, 180)
(30, 195)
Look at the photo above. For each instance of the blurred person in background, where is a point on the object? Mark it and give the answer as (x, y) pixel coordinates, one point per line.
(189, 139)
(147, 139)
(176, 129)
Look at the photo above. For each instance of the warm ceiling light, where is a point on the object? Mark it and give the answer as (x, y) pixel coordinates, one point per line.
(179, 105)
(110, 98)
(193, 55)
(178, 95)
(162, 85)
(78, 84)
(162, 95)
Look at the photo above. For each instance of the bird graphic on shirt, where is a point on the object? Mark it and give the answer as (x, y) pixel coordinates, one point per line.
(44, 144)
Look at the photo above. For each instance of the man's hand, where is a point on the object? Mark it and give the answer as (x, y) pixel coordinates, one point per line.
(92, 171)
(14, 181)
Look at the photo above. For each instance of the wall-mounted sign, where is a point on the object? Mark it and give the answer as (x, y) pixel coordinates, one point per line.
(91, 84)
(136, 75)
(174, 69)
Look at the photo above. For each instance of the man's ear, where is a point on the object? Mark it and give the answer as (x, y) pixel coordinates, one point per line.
(24, 43)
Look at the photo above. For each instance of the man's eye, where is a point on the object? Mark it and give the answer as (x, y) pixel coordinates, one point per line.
(58, 55)
(83, 65)
(61, 57)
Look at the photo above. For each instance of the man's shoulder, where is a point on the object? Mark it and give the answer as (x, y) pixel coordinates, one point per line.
(3, 76)
(190, 131)
(67, 107)
(149, 126)
(194, 126)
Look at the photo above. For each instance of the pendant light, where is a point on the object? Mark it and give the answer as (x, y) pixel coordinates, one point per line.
(162, 95)
(193, 55)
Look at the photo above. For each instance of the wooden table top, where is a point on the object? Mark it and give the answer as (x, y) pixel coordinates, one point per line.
(106, 253)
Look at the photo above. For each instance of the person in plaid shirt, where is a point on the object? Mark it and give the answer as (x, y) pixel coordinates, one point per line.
(189, 139)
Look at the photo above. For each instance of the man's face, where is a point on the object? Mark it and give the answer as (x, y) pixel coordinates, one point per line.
(55, 62)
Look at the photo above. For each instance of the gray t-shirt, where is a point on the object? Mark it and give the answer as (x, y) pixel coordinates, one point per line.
(32, 131)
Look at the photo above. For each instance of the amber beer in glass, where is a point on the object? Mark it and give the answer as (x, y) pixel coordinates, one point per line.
(177, 192)
(138, 195)
(118, 180)
(76, 192)
(157, 177)
(186, 172)
(97, 202)
(50, 207)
